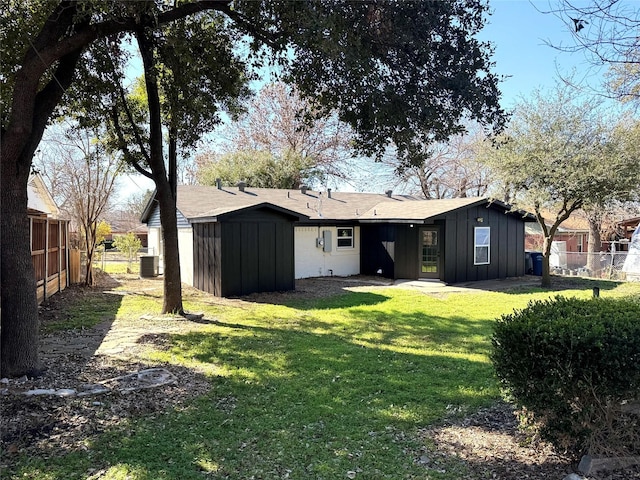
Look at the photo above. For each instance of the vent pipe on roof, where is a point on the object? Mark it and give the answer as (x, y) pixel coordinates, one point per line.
(388, 193)
(241, 186)
(328, 193)
(303, 189)
(219, 183)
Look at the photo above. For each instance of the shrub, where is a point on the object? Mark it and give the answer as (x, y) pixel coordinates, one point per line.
(575, 364)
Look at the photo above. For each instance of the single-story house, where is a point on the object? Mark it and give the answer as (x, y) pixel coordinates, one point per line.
(574, 232)
(123, 222)
(49, 240)
(235, 241)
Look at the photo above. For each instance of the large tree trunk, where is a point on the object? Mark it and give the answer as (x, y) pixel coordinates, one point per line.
(595, 245)
(172, 283)
(30, 112)
(19, 338)
(31, 109)
(546, 253)
(165, 183)
(568, 207)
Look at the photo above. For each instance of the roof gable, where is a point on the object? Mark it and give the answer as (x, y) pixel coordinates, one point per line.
(38, 197)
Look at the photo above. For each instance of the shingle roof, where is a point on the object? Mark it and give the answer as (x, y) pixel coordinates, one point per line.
(417, 210)
(204, 203)
(201, 201)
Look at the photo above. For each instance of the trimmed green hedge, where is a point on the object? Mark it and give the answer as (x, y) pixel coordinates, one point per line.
(574, 364)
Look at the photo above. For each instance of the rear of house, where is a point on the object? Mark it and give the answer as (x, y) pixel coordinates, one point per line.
(235, 242)
(456, 240)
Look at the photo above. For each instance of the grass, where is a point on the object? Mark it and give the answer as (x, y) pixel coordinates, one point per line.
(119, 267)
(328, 389)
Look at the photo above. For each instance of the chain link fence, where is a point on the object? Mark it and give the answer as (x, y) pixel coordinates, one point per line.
(115, 261)
(605, 265)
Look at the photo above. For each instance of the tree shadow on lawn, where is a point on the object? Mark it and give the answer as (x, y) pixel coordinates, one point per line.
(75, 321)
(306, 404)
(374, 327)
(347, 299)
(529, 284)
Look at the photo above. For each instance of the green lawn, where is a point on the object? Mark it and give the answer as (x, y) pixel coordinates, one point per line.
(328, 389)
(119, 267)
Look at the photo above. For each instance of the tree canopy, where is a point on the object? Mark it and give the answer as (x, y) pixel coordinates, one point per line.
(401, 72)
(257, 169)
(281, 128)
(561, 153)
(606, 31)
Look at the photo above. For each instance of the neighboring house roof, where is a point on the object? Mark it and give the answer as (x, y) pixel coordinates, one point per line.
(39, 200)
(207, 203)
(576, 223)
(124, 221)
(630, 222)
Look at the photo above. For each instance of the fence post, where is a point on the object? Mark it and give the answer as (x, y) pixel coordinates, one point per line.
(613, 255)
(74, 266)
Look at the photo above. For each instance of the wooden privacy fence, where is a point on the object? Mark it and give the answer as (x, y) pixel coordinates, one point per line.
(49, 253)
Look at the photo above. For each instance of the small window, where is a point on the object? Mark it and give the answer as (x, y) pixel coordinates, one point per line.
(345, 238)
(482, 243)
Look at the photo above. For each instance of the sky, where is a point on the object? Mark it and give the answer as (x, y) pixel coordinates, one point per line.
(521, 35)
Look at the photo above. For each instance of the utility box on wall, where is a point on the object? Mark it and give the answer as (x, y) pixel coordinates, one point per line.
(326, 239)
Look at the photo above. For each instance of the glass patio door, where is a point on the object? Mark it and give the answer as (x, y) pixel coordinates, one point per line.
(429, 253)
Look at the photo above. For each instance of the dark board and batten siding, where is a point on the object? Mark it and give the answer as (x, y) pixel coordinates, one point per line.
(245, 253)
(407, 251)
(206, 256)
(506, 247)
(394, 247)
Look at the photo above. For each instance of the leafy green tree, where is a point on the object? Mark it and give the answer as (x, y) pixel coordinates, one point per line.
(129, 244)
(561, 153)
(258, 169)
(48, 39)
(625, 145)
(184, 96)
(401, 72)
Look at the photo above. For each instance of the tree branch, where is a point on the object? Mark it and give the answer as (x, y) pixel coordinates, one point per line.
(122, 144)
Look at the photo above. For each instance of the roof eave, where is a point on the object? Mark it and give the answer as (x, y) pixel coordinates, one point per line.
(395, 220)
(148, 209)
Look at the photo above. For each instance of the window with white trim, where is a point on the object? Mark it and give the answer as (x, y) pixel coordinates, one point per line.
(345, 237)
(481, 245)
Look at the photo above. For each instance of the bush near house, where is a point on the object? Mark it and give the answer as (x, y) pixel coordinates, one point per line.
(574, 365)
